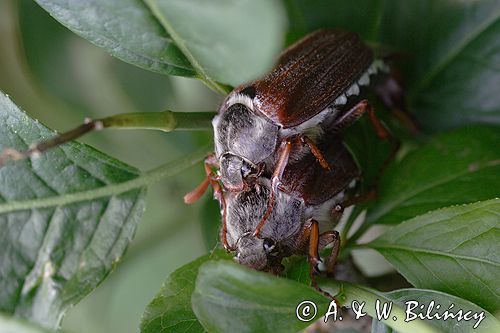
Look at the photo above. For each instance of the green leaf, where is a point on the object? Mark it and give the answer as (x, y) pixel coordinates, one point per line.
(380, 327)
(450, 59)
(170, 310)
(297, 268)
(352, 294)
(227, 41)
(403, 310)
(218, 40)
(355, 15)
(370, 152)
(424, 297)
(454, 76)
(453, 168)
(453, 250)
(54, 253)
(48, 45)
(231, 298)
(10, 324)
(124, 28)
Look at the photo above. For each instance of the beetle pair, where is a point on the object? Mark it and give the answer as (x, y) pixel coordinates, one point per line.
(309, 195)
(278, 154)
(272, 177)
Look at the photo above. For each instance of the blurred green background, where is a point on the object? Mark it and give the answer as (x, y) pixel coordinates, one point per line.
(59, 78)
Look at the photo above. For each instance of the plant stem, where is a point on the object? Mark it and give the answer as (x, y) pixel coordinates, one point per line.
(357, 246)
(164, 121)
(362, 229)
(347, 227)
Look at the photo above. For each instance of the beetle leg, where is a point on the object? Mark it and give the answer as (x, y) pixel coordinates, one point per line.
(316, 152)
(308, 241)
(211, 179)
(195, 195)
(313, 251)
(350, 116)
(218, 194)
(315, 243)
(355, 113)
(323, 239)
(328, 237)
(338, 210)
(382, 132)
(391, 94)
(285, 148)
(380, 129)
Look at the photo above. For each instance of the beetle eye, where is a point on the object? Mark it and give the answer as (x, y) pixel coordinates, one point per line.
(269, 245)
(245, 170)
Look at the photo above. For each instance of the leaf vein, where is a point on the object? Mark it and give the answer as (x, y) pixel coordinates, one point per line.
(436, 276)
(388, 207)
(435, 252)
(454, 53)
(477, 277)
(142, 180)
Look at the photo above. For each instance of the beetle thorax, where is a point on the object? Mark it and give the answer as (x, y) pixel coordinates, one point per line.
(242, 132)
(243, 139)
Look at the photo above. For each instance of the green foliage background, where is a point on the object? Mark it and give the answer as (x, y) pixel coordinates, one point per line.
(62, 79)
(450, 60)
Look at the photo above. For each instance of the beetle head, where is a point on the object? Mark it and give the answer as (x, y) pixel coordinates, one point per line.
(257, 253)
(237, 173)
(275, 241)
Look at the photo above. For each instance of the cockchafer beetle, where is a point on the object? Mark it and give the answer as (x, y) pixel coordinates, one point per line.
(309, 195)
(316, 87)
(261, 126)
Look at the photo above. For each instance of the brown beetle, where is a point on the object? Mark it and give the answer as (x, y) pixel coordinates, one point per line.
(308, 196)
(316, 87)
